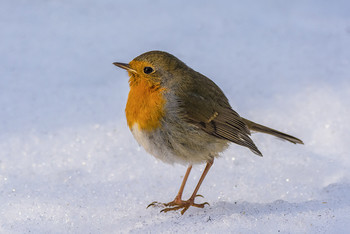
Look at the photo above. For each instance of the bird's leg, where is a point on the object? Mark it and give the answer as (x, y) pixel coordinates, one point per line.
(205, 172)
(178, 197)
(184, 205)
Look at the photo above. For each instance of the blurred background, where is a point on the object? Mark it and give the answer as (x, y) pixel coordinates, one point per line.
(68, 162)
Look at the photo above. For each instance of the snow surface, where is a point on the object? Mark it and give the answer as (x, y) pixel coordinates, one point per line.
(68, 163)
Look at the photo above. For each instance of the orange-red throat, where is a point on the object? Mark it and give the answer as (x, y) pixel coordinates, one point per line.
(145, 105)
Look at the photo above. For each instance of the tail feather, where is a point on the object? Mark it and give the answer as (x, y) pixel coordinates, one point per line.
(260, 128)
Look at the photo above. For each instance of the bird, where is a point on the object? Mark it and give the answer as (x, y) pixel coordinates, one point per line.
(180, 116)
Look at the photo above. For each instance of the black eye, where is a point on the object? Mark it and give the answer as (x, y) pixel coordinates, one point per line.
(148, 70)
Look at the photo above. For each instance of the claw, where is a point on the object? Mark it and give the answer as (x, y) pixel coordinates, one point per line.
(198, 195)
(155, 203)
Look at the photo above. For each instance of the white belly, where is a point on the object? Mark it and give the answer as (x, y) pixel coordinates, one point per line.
(179, 143)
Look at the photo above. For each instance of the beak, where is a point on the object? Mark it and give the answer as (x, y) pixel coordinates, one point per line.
(125, 66)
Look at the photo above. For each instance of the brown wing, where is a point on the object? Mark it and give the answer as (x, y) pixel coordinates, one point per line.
(206, 106)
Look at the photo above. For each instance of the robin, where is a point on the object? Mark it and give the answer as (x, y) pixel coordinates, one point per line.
(180, 116)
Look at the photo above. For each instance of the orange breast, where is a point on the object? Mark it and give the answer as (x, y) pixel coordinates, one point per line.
(145, 105)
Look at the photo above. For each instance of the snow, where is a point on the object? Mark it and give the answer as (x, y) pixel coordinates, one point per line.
(69, 164)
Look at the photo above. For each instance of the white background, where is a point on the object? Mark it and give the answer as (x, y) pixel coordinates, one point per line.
(68, 163)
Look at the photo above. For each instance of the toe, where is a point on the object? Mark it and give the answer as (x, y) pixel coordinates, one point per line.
(171, 209)
(200, 205)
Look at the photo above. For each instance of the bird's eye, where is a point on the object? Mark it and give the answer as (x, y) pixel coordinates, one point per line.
(148, 70)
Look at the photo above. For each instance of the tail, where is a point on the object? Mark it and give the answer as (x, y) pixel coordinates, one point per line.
(260, 128)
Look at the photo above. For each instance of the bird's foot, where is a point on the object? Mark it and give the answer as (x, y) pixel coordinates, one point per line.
(184, 205)
(178, 204)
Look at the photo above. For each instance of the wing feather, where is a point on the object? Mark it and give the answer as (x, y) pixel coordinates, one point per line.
(207, 107)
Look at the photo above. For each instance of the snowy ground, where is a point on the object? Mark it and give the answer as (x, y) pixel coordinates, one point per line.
(68, 163)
